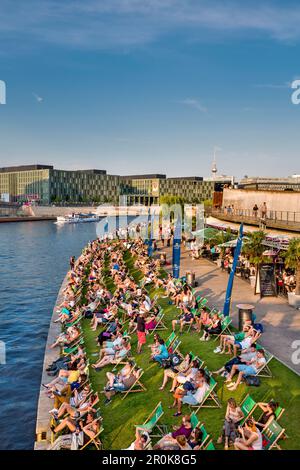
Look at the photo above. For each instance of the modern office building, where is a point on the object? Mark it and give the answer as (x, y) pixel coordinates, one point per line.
(291, 183)
(148, 189)
(45, 184)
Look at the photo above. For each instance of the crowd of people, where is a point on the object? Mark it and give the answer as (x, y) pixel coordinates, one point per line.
(124, 314)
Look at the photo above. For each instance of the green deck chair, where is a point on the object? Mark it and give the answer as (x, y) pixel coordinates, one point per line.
(210, 446)
(272, 433)
(247, 406)
(151, 422)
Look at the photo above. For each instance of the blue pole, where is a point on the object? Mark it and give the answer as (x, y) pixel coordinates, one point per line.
(237, 251)
(176, 250)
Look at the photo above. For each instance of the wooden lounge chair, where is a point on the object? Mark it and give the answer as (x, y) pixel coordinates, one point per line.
(265, 370)
(210, 446)
(170, 340)
(159, 323)
(97, 443)
(210, 399)
(137, 386)
(225, 327)
(196, 424)
(151, 422)
(174, 346)
(271, 434)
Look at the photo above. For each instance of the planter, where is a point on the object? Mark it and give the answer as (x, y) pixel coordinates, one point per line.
(294, 300)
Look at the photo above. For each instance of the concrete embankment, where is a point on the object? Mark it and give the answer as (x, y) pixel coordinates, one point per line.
(45, 404)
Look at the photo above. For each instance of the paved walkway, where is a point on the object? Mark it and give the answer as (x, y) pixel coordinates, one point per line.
(281, 322)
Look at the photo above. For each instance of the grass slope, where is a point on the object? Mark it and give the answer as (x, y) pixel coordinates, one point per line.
(120, 417)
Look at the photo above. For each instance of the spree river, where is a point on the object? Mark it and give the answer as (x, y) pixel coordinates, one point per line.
(34, 259)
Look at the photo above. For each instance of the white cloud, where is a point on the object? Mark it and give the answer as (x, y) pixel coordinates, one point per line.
(103, 24)
(193, 103)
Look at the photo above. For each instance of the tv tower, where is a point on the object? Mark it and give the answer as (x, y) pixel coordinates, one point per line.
(214, 169)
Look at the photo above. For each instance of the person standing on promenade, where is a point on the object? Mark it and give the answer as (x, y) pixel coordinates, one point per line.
(141, 332)
(72, 262)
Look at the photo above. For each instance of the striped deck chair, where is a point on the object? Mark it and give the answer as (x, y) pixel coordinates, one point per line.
(225, 327)
(151, 422)
(75, 322)
(72, 349)
(271, 434)
(137, 386)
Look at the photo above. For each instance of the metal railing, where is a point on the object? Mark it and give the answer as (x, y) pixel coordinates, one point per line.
(287, 217)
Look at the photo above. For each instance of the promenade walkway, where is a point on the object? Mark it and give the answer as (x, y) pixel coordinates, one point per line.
(281, 322)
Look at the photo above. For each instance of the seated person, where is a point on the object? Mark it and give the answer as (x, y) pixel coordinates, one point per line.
(237, 337)
(172, 372)
(251, 337)
(246, 356)
(122, 383)
(114, 355)
(251, 438)
(233, 417)
(251, 368)
(141, 440)
(195, 393)
(186, 318)
(268, 415)
(203, 319)
(195, 439)
(186, 376)
(67, 338)
(185, 429)
(214, 328)
(162, 352)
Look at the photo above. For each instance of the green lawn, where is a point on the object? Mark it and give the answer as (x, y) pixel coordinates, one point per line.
(120, 417)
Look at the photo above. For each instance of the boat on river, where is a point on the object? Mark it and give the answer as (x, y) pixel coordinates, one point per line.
(77, 218)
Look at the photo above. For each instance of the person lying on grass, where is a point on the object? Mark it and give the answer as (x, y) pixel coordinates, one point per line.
(251, 368)
(70, 376)
(111, 356)
(232, 419)
(192, 392)
(65, 362)
(186, 318)
(250, 437)
(172, 372)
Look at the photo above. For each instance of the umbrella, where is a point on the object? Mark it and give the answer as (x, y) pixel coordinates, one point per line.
(231, 243)
(206, 233)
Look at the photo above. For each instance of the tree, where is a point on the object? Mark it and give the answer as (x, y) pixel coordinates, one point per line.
(254, 248)
(220, 238)
(292, 260)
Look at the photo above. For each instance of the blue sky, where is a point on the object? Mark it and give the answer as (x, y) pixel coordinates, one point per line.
(135, 86)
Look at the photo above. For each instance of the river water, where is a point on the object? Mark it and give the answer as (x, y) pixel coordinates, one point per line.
(34, 259)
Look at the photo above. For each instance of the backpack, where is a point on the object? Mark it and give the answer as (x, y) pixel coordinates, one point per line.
(252, 380)
(175, 359)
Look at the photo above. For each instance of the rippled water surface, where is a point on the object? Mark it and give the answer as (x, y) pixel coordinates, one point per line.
(34, 259)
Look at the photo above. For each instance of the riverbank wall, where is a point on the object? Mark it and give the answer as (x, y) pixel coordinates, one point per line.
(45, 404)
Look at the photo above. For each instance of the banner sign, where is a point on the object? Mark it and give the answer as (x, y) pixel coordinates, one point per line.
(267, 280)
(176, 250)
(237, 252)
